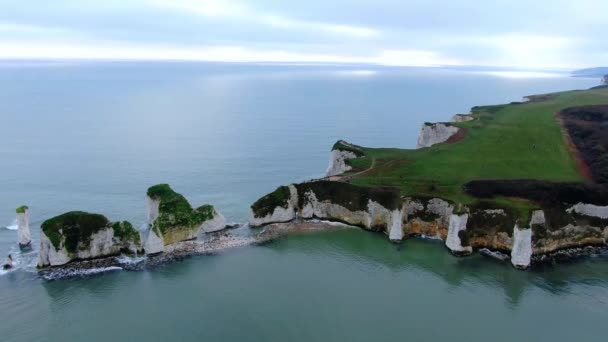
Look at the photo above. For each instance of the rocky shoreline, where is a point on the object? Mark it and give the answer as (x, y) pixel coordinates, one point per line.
(212, 244)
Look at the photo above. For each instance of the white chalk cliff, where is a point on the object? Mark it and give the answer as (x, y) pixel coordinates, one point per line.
(457, 224)
(589, 210)
(337, 162)
(280, 213)
(153, 239)
(435, 133)
(521, 253)
(102, 244)
(374, 217)
(217, 223)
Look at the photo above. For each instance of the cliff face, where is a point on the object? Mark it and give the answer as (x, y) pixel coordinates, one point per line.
(463, 228)
(435, 133)
(172, 219)
(278, 206)
(23, 224)
(340, 153)
(79, 235)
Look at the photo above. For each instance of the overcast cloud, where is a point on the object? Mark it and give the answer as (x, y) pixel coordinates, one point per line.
(540, 34)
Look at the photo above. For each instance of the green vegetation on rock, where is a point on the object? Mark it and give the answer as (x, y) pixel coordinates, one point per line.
(22, 209)
(125, 232)
(265, 205)
(342, 145)
(175, 212)
(74, 228)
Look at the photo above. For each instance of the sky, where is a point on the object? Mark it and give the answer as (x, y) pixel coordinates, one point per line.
(538, 34)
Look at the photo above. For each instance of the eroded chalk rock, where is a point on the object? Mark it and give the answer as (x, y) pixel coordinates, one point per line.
(462, 118)
(589, 210)
(172, 219)
(435, 133)
(340, 153)
(521, 253)
(278, 206)
(457, 241)
(78, 235)
(24, 236)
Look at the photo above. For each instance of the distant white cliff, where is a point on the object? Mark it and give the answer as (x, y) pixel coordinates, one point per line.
(462, 118)
(337, 162)
(435, 133)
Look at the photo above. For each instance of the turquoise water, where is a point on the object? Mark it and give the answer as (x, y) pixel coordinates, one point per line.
(93, 136)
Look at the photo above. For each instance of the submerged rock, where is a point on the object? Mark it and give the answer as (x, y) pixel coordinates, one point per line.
(494, 254)
(23, 224)
(8, 263)
(78, 235)
(172, 219)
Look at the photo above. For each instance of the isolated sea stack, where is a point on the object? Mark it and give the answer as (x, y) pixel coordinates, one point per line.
(172, 219)
(79, 235)
(23, 224)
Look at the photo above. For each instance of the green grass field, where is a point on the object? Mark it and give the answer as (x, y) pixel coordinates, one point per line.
(515, 141)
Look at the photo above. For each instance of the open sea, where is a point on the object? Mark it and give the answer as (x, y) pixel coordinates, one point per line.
(94, 136)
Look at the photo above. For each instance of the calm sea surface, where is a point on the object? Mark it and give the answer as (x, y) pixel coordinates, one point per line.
(95, 136)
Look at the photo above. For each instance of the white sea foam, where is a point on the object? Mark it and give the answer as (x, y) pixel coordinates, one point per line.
(25, 261)
(130, 260)
(13, 225)
(79, 272)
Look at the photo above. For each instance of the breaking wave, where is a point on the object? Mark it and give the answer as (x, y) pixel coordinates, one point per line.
(68, 273)
(13, 226)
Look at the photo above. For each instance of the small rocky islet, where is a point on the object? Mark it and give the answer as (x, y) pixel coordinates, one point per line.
(521, 217)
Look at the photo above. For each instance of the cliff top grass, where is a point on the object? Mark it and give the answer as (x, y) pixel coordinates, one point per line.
(512, 141)
(21, 209)
(175, 211)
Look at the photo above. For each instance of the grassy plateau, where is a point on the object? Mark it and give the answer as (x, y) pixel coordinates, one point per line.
(513, 141)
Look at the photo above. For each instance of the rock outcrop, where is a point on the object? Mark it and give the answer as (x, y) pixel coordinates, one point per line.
(464, 228)
(340, 153)
(278, 206)
(462, 118)
(24, 236)
(172, 219)
(435, 133)
(605, 80)
(521, 252)
(457, 241)
(80, 235)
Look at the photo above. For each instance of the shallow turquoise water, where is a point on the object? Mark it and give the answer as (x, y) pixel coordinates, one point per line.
(345, 285)
(95, 136)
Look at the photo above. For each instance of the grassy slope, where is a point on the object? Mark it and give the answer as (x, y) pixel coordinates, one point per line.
(506, 142)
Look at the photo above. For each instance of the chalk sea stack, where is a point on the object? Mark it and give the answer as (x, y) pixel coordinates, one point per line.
(172, 219)
(79, 235)
(23, 224)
